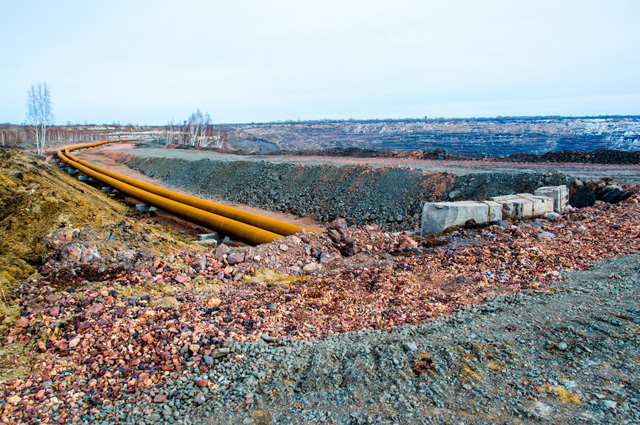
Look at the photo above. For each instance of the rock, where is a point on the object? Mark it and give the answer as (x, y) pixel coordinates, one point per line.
(609, 404)
(58, 238)
(199, 261)
(180, 279)
(553, 216)
(208, 360)
(71, 252)
(202, 383)
(311, 267)
(90, 255)
(584, 196)
(340, 225)
(539, 410)
(22, 322)
(454, 194)
(269, 339)
(126, 255)
(214, 302)
(296, 240)
(221, 251)
(405, 242)
(159, 398)
(199, 399)
(562, 346)
(440, 216)
(546, 236)
(74, 342)
(14, 399)
(559, 194)
(235, 258)
(334, 235)
(283, 248)
(95, 309)
(612, 194)
(155, 417)
(221, 352)
(411, 346)
(327, 257)
(148, 338)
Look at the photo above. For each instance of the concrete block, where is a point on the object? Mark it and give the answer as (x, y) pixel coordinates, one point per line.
(440, 216)
(524, 206)
(559, 194)
(210, 236)
(145, 208)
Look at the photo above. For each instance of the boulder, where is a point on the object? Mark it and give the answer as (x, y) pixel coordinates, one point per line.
(524, 206)
(440, 216)
(559, 194)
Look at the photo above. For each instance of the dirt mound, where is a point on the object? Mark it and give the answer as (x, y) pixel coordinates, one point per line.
(37, 199)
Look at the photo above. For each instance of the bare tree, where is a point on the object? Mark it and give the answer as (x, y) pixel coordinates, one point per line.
(39, 114)
(169, 133)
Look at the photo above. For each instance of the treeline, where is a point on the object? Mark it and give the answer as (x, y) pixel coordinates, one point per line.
(14, 135)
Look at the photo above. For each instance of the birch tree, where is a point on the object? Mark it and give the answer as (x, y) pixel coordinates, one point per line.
(39, 114)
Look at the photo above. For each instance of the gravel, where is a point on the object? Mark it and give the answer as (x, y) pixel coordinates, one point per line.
(391, 197)
(570, 356)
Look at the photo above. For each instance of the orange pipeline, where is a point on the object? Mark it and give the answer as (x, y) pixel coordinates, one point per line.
(239, 230)
(269, 224)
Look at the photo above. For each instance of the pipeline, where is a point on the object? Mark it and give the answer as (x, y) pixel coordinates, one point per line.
(241, 230)
(269, 224)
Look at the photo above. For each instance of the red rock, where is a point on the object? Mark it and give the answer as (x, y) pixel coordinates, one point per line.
(159, 398)
(95, 309)
(74, 342)
(22, 322)
(202, 383)
(214, 302)
(62, 345)
(148, 338)
(52, 298)
(180, 279)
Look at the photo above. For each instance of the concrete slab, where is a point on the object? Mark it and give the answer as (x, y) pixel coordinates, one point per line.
(524, 206)
(559, 194)
(210, 236)
(145, 208)
(440, 216)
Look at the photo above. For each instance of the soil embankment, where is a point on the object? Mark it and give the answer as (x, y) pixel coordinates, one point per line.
(388, 196)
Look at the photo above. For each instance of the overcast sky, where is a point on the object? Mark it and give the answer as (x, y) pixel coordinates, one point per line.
(151, 61)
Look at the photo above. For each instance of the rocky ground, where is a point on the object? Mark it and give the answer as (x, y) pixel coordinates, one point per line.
(391, 197)
(127, 322)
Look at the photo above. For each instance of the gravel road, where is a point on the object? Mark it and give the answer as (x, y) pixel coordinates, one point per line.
(624, 174)
(570, 356)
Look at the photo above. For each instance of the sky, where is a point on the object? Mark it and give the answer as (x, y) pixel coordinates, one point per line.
(153, 61)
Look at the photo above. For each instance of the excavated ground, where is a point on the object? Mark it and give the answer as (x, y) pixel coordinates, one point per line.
(127, 322)
(391, 197)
